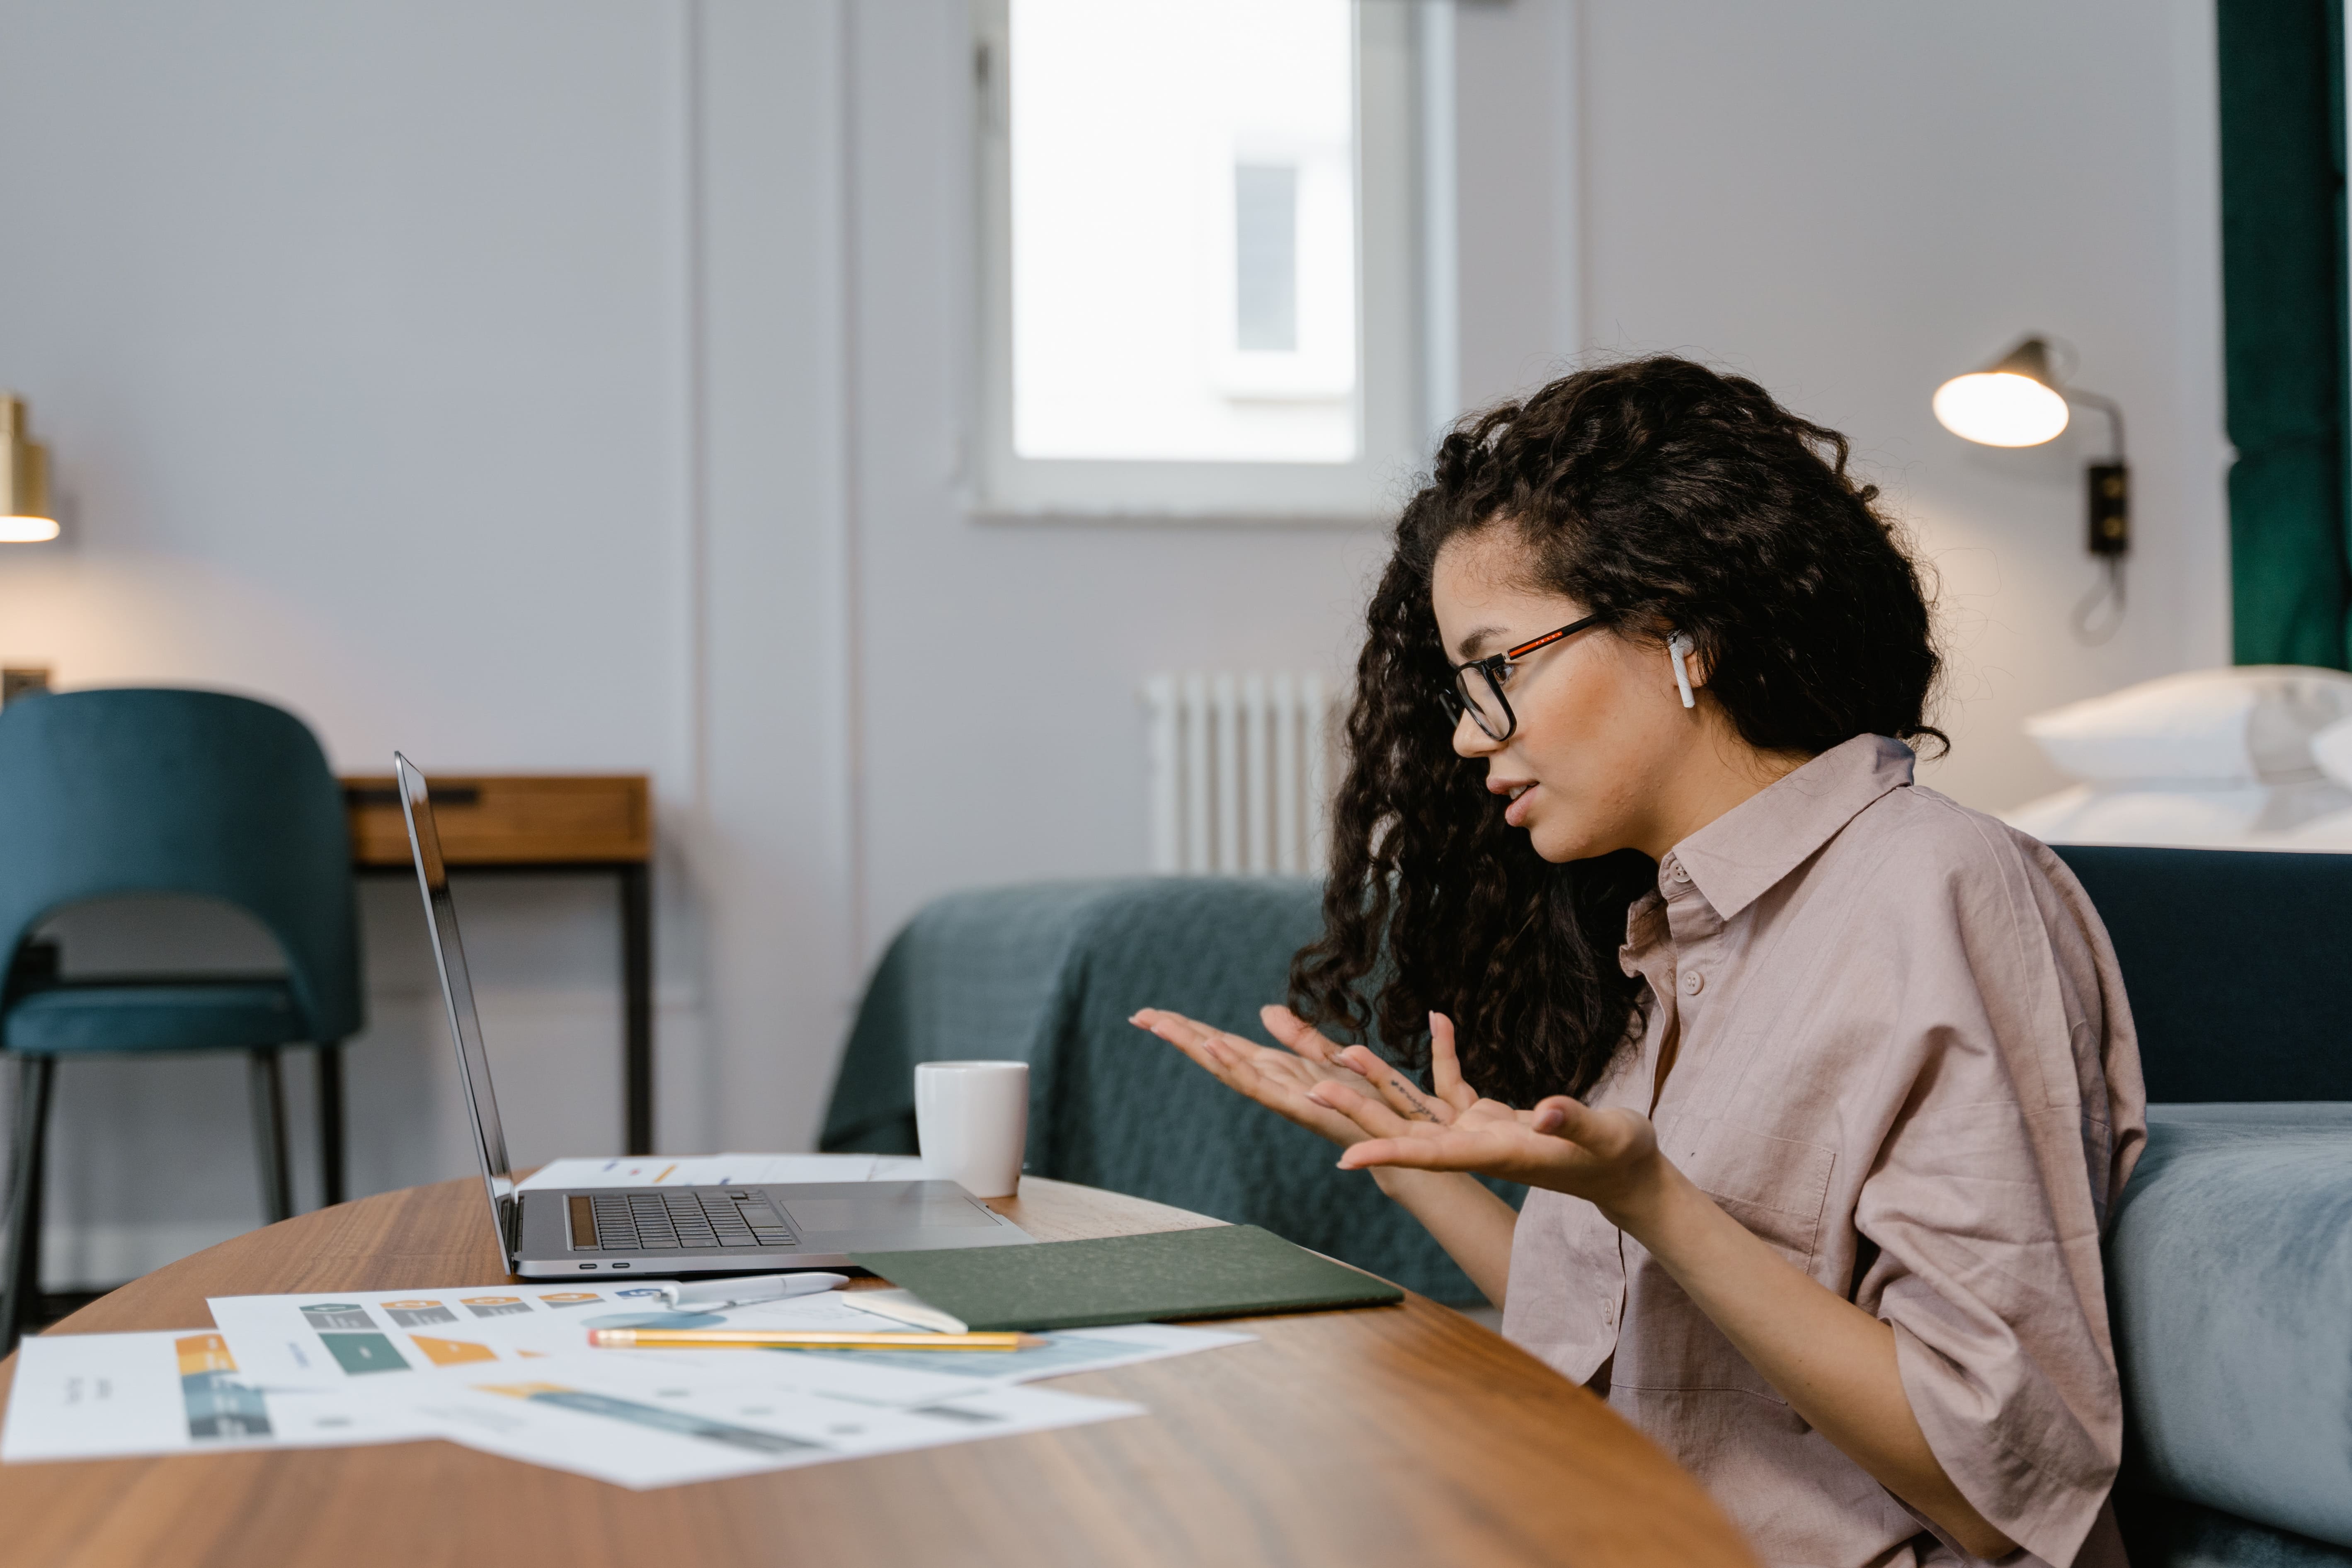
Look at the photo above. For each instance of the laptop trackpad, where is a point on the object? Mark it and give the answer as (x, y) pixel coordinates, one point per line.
(909, 1211)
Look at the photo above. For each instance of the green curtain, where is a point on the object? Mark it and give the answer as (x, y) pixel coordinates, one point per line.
(2285, 352)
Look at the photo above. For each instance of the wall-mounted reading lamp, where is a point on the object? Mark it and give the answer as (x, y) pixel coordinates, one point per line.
(2016, 401)
(23, 480)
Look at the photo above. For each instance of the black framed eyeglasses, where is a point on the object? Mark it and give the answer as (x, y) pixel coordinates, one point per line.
(1477, 687)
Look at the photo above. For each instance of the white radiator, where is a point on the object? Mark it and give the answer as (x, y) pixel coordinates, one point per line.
(1239, 769)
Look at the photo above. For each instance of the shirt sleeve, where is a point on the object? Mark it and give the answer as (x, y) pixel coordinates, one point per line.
(1986, 1198)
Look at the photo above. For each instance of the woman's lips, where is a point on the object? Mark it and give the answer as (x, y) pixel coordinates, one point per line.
(1515, 814)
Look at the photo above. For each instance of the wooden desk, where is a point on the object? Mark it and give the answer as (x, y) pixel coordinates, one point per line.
(541, 825)
(1399, 1436)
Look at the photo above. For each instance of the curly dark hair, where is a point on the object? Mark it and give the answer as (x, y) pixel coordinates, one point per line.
(1664, 497)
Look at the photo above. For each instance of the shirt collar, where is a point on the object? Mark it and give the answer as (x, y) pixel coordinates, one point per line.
(1741, 854)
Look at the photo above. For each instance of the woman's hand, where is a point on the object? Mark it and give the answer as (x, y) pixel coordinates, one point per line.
(1609, 1158)
(1278, 1079)
(1470, 1223)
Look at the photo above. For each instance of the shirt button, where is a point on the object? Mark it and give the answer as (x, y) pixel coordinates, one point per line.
(1609, 1313)
(1693, 982)
(1675, 871)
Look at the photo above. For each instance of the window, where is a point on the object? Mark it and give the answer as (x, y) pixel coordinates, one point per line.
(1197, 257)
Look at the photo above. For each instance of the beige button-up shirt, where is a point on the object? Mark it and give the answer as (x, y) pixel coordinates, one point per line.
(1904, 1060)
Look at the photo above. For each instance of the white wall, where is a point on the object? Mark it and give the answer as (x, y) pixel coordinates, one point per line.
(583, 385)
(464, 378)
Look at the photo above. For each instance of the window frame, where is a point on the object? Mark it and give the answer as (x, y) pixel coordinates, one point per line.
(1004, 487)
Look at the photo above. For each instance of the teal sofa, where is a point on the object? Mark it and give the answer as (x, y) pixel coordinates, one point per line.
(2230, 1261)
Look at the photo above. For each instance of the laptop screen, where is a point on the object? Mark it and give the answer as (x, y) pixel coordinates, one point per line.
(457, 992)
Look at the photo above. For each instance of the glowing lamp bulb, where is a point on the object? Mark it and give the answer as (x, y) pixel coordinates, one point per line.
(2000, 408)
(23, 480)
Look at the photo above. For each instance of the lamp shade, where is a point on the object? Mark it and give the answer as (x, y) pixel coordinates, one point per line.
(23, 480)
(2008, 404)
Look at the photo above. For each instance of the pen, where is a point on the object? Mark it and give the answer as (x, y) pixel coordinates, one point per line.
(785, 1339)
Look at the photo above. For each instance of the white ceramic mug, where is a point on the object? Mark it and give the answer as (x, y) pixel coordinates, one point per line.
(973, 1119)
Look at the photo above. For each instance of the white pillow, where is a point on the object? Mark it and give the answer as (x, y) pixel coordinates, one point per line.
(2250, 724)
(2331, 750)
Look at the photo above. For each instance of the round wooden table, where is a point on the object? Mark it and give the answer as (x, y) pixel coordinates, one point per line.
(1403, 1434)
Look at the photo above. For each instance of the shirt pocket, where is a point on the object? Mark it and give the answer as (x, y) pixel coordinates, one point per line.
(1776, 1187)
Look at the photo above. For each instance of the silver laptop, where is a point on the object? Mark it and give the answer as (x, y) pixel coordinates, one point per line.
(600, 1232)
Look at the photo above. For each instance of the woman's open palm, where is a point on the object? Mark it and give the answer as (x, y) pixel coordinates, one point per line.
(1354, 1097)
(1281, 1081)
(1562, 1143)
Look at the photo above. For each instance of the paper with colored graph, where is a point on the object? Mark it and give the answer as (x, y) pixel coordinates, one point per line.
(654, 1421)
(330, 1339)
(90, 1396)
(333, 1339)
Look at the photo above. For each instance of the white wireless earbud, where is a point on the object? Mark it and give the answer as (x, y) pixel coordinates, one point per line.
(1678, 652)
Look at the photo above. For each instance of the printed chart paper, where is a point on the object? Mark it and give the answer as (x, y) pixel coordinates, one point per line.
(378, 1338)
(637, 1422)
(336, 1338)
(88, 1396)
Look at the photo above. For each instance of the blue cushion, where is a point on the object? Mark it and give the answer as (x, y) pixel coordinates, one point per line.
(2229, 1274)
(191, 1015)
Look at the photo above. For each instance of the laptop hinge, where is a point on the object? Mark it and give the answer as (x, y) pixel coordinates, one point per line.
(510, 1230)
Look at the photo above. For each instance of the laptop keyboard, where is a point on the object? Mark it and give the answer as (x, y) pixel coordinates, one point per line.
(669, 1220)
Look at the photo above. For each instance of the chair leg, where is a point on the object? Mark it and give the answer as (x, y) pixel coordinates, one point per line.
(331, 1123)
(270, 1134)
(20, 1303)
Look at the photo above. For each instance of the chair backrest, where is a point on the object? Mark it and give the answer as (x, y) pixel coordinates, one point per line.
(109, 793)
(2239, 966)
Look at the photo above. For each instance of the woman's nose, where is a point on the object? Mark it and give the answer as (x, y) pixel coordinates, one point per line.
(1470, 741)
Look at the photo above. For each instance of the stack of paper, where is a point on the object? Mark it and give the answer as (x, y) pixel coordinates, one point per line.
(508, 1370)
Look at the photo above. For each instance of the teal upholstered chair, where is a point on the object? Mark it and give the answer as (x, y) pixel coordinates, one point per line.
(105, 794)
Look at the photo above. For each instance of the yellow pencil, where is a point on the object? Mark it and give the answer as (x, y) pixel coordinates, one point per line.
(767, 1339)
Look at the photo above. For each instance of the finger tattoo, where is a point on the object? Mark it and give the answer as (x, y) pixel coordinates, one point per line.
(1420, 1110)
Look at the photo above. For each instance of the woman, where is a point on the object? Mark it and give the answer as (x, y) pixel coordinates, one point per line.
(1822, 1082)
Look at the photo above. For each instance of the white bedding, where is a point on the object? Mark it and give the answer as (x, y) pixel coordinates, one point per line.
(2252, 757)
(2316, 814)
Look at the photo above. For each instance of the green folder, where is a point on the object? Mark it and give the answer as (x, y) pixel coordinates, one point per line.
(1219, 1271)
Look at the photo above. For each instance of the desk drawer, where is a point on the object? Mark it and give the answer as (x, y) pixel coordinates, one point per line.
(511, 820)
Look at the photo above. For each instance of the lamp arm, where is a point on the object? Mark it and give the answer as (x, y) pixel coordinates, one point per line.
(2105, 405)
